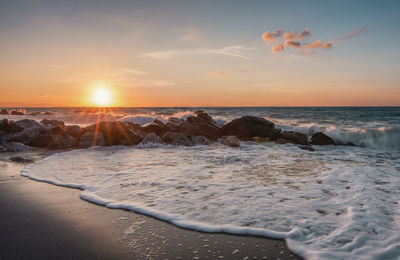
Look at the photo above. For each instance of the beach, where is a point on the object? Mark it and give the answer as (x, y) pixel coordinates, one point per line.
(43, 221)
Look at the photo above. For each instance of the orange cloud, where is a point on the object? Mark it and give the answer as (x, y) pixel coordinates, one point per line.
(281, 39)
(277, 48)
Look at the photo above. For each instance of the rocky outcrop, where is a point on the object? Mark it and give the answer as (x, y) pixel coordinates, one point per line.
(294, 137)
(17, 113)
(201, 140)
(9, 126)
(74, 130)
(115, 133)
(231, 141)
(320, 138)
(91, 139)
(53, 123)
(200, 125)
(156, 127)
(152, 138)
(248, 127)
(176, 138)
(4, 112)
(15, 146)
(27, 123)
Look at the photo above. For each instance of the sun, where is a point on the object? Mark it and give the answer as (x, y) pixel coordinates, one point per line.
(102, 96)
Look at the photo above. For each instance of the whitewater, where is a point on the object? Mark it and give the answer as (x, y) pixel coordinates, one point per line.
(338, 202)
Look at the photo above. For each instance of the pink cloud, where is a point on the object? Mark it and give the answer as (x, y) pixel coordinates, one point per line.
(318, 44)
(277, 48)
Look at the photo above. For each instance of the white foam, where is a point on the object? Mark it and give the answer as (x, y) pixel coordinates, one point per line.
(335, 203)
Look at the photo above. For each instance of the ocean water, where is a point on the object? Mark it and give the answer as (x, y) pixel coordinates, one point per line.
(335, 203)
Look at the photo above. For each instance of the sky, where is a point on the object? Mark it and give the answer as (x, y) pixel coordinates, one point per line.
(200, 53)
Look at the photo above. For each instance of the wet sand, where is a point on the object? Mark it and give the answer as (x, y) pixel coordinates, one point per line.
(44, 221)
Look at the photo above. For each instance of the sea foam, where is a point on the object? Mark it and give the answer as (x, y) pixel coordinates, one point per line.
(335, 203)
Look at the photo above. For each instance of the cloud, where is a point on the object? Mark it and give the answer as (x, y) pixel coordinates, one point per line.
(318, 44)
(233, 51)
(351, 34)
(220, 74)
(281, 40)
(277, 48)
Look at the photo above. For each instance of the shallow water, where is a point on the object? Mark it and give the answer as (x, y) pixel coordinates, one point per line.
(335, 203)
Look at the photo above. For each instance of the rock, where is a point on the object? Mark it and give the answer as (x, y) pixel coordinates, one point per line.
(89, 139)
(57, 130)
(307, 147)
(175, 121)
(202, 140)
(281, 141)
(35, 113)
(27, 123)
(248, 127)
(206, 117)
(262, 140)
(9, 126)
(20, 159)
(116, 133)
(15, 146)
(231, 141)
(201, 126)
(154, 127)
(176, 138)
(53, 122)
(43, 140)
(294, 137)
(26, 135)
(320, 138)
(47, 113)
(2, 133)
(4, 112)
(2, 149)
(152, 138)
(17, 113)
(63, 142)
(74, 130)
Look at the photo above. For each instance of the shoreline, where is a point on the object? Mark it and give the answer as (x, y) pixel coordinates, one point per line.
(60, 224)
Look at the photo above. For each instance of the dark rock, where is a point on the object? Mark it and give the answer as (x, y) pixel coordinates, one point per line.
(15, 146)
(307, 147)
(176, 138)
(2, 133)
(20, 159)
(43, 140)
(74, 130)
(248, 127)
(262, 140)
(17, 113)
(47, 113)
(294, 137)
(57, 130)
(53, 122)
(231, 141)
(206, 117)
(320, 138)
(9, 126)
(35, 113)
(281, 141)
(89, 139)
(155, 127)
(116, 133)
(27, 123)
(26, 135)
(152, 138)
(200, 140)
(63, 142)
(4, 112)
(201, 126)
(2, 149)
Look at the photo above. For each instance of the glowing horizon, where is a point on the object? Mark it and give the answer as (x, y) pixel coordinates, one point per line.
(199, 54)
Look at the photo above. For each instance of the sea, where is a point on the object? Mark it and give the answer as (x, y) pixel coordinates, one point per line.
(337, 202)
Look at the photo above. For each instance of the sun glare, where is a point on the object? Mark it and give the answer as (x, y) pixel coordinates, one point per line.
(101, 96)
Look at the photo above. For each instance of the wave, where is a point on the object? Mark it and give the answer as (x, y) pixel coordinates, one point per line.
(381, 138)
(335, 206)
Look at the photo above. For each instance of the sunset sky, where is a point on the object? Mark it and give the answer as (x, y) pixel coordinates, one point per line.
(200, 53)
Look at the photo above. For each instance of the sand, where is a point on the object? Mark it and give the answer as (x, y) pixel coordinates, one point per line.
(43, 221)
